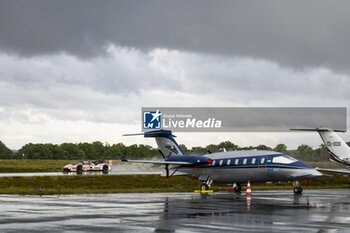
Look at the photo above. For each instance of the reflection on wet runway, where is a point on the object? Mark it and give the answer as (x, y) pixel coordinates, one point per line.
(266, 211)
(117, 169)
(75, 174)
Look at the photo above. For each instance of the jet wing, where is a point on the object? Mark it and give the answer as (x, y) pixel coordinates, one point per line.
(155, 162)
(158, 162)
(343, 171)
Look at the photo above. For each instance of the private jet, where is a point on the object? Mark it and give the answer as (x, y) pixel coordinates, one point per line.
(228, 167)
(338, 150)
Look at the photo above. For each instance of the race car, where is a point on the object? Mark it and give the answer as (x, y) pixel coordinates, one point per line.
(85, 166)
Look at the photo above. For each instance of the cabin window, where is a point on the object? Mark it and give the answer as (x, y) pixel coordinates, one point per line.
(244, 161)
(236, 162)
(213, 164)
(284, 159)
(228, 162)
(220, 163)
(262, 160)
(253, 160)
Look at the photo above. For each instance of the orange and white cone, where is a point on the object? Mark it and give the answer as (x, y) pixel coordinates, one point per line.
(249, 191)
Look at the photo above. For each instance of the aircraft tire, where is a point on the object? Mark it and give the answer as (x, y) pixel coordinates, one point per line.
(298, 190)
(238, 188)
(204, 187)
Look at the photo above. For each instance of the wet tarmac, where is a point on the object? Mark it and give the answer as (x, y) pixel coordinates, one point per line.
(266, 211)
(74, 173)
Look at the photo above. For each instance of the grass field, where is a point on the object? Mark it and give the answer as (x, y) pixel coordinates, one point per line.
(136, 183)
(94, 184)
(18, 166)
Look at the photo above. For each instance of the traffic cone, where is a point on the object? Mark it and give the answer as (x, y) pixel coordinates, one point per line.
(249, 191)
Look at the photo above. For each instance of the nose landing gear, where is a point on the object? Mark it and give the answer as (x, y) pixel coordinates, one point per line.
(297, 189)
(237, 187)
(206, 185)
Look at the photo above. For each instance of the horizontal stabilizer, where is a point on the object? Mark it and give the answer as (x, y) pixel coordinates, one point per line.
(133, 134)
(153, 134)
(319, 129)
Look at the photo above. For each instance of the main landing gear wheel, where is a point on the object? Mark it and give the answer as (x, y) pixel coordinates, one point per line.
(298, 190)
(237, 188)
(204, 187)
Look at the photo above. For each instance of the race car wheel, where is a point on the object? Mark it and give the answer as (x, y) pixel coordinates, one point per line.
(79, 169)
(105, 169)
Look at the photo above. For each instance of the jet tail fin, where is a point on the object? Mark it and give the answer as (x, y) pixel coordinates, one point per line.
(165, 141)
(337, 148)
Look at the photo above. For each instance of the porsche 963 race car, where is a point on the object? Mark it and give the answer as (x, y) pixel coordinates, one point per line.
(88, 166)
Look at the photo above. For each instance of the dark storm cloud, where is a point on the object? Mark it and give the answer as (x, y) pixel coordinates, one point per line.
(292, 33)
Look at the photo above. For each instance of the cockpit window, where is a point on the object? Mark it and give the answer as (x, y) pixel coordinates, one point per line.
(289, 157)
(285, 159)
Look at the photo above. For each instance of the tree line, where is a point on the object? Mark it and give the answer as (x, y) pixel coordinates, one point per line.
(98, 150)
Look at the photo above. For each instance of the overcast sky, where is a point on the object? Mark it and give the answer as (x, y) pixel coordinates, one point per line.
(74, 71)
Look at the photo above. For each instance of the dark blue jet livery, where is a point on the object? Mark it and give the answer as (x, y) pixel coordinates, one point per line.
(232, 167)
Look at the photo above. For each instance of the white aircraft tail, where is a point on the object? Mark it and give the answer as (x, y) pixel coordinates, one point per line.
(165, 141)
(338, 150)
